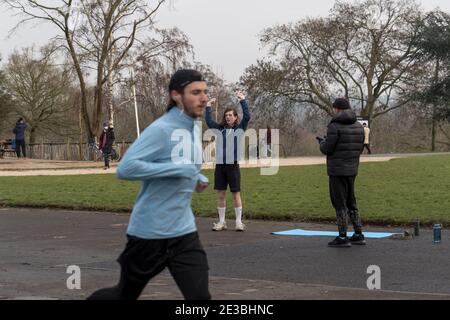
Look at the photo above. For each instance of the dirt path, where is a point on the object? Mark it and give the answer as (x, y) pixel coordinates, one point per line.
(35, 167)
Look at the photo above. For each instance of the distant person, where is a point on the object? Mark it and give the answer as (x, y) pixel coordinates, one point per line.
(162, 232)
(107, 139)
(342, 146)
(269, 141)
(366, 138)
(227, 171)
(19, 131)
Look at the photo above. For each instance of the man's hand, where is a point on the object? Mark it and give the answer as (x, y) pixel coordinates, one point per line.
(210, 102)
(201, 186)
(240, 95)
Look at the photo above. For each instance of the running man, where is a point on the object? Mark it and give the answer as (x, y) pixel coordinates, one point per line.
(162, 231)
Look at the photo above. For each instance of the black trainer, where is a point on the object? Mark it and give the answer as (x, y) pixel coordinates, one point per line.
(357, 239)
(340, 242)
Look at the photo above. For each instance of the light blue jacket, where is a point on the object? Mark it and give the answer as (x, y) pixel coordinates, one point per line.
(163, 205)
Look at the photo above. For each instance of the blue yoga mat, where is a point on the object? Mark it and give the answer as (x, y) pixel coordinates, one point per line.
(301, 232)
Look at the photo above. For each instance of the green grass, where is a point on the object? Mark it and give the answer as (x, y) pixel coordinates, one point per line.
(394, 192)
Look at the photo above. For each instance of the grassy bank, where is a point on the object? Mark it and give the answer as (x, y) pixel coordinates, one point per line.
(394, 192)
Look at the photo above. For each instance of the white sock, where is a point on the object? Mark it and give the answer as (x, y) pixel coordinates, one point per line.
(238, 212)
(221, 214)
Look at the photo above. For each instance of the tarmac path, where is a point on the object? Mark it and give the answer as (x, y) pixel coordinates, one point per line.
(37, 246)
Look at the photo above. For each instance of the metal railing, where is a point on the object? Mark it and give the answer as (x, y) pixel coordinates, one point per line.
(84, 152)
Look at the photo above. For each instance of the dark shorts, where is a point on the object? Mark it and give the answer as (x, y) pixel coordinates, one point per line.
(227, 174)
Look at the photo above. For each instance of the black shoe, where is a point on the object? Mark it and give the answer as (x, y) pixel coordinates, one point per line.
(357, 239)
(340, 242)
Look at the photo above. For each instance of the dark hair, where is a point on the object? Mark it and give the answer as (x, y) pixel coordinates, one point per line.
(20, 119)
(224, 121)
(341, 104)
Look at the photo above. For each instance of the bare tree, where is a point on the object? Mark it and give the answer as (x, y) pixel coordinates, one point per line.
(433, 44)
(5, 99)
(152, 62)
(152, 77)
(91, 30)
(362, 50)
(39, 90)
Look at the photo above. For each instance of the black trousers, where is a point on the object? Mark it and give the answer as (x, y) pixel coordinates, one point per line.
(20, 144)
(342, 194)
(368, 149)
(106, 157)
(143, 259)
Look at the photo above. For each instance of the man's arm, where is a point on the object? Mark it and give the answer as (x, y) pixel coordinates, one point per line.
(140, 162)
(328, 145)
(245, 115)
(245, 110)
(208, 116)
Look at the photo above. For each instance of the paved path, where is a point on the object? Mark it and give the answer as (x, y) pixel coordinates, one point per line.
(37, 245)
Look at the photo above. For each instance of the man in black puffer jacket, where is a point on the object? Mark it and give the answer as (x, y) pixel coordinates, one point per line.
(342, 146)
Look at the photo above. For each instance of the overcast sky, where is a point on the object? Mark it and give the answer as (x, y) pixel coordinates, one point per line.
(224, 33)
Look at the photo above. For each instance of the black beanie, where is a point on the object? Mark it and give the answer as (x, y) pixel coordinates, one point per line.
(341, 103)
(184, 77)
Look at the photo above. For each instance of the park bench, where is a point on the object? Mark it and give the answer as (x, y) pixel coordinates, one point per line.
(7, 147)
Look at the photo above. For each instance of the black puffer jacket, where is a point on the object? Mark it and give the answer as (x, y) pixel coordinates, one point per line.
(343, 145)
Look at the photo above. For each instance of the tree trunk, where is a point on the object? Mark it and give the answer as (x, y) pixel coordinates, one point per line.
(83, 91)
(104, 55)
(110, 89)
(80, 127)
(98, 101)
(433, 119)
(433, 129)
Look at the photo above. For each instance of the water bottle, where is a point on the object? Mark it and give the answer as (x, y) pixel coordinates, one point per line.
(437, 233)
